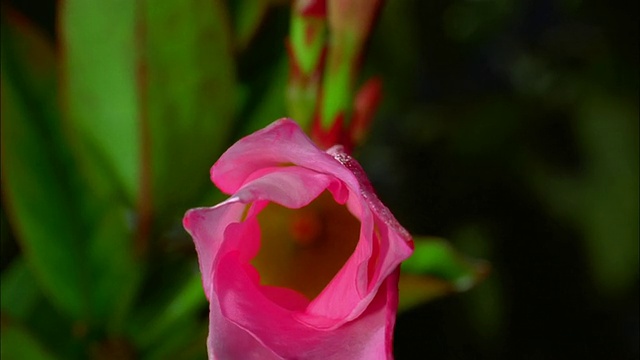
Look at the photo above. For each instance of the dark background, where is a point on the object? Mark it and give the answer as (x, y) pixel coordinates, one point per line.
(490, 105)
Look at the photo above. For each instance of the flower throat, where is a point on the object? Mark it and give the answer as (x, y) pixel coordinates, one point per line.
(303, 249)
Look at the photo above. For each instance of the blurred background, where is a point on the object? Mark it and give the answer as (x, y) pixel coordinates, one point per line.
(509, 128)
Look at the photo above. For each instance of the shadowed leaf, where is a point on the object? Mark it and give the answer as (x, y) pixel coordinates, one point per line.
(78, 247)
(19, 344)
(19, 290)
(36, 190)
(434, 270)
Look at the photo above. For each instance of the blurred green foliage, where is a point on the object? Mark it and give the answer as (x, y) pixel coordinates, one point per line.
(435, 270)
(508, 127)
(106, 140)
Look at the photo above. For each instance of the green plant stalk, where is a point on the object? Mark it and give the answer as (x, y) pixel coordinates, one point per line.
(338, 80)
(307, 42)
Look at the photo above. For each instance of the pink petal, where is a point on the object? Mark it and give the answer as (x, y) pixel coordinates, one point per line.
(241, 302)
(373, 260)
(207, 227)
(292, 186)
(279, 144)
(228, 341)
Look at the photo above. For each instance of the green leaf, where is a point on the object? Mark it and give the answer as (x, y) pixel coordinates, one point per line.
(196, 348)
(189, 342)
(247, 17)
(100, 76)
(78, 243)
(18, 344)
(37, 193)
(191, 95)
(415, 290)
(19, 290)
(116, 272)
(434, 270)
(183, 302)
(60, 334)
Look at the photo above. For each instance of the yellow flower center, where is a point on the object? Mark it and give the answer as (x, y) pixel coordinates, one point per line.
(303, 249)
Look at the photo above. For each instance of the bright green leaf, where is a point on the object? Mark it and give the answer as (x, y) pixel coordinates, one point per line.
(435, 257)
(100, 70)
(190, 95)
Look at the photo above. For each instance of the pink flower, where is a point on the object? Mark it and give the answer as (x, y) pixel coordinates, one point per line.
(302, 261)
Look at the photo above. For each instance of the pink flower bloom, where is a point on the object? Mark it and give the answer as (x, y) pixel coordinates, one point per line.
(302, 261)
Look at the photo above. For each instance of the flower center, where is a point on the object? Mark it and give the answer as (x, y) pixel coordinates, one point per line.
(303, 249)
